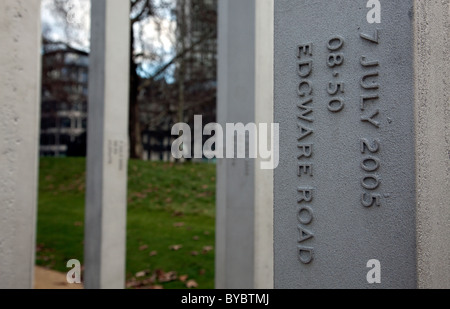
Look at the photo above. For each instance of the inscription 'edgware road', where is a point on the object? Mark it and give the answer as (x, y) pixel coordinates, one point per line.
(305, 214)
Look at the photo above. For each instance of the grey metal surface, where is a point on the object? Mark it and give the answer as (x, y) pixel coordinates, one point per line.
(20, 88)
(235, 182)
(106, 189)
(432, 63)
(244, 232)
(343, 233)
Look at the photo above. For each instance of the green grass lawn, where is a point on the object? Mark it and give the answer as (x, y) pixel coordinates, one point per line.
(171, 215)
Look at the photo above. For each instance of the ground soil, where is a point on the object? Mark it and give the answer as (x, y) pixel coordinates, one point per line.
(52, 280)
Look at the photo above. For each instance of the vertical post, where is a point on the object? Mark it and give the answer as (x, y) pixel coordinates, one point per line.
(20, 38)
(361, 193)
(264, 31)
(432, 108)
(106, 195)
(244, 191)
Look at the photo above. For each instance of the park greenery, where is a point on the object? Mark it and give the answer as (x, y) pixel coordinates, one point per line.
(170, 230)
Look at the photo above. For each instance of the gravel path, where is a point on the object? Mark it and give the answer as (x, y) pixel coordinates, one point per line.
(52, 280)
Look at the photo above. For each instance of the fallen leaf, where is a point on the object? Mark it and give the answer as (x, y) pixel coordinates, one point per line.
(141, 274)
(183, 278)
(202, 272)
(194, 253)
(143, 247)
(132, 283)
(191, 284)
(178, 224)
(204, 194)
(207, 249)
(148, 282)
(140, 195)
(178, 214)
(195, 238)
(206, 233)
(39, 247)
(176, 247)
(157, 287)
(153, 253)
(205, 187)
(167, 277)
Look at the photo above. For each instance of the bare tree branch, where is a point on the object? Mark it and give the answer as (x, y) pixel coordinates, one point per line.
(179, 55)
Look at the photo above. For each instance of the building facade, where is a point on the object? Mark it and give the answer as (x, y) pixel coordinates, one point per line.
(64, 103)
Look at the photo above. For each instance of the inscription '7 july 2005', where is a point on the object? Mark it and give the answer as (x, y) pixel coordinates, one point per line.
(370, 147)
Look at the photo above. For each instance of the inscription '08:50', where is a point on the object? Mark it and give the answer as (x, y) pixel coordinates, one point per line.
(335, 59)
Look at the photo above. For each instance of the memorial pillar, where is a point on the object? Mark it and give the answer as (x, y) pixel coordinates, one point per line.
(20, 90)
(244, 228)
(361, 194)
(107, 162)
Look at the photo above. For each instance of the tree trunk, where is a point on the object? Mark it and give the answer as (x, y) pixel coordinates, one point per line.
(182, 65)
(134, 129)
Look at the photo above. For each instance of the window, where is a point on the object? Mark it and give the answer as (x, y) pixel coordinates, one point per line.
(83, 76)
(44, 140)
(65, 123)
(64, 139)
(51, 140)
(71, 58)
(48, 123)
(54, 74)
(64, 72)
